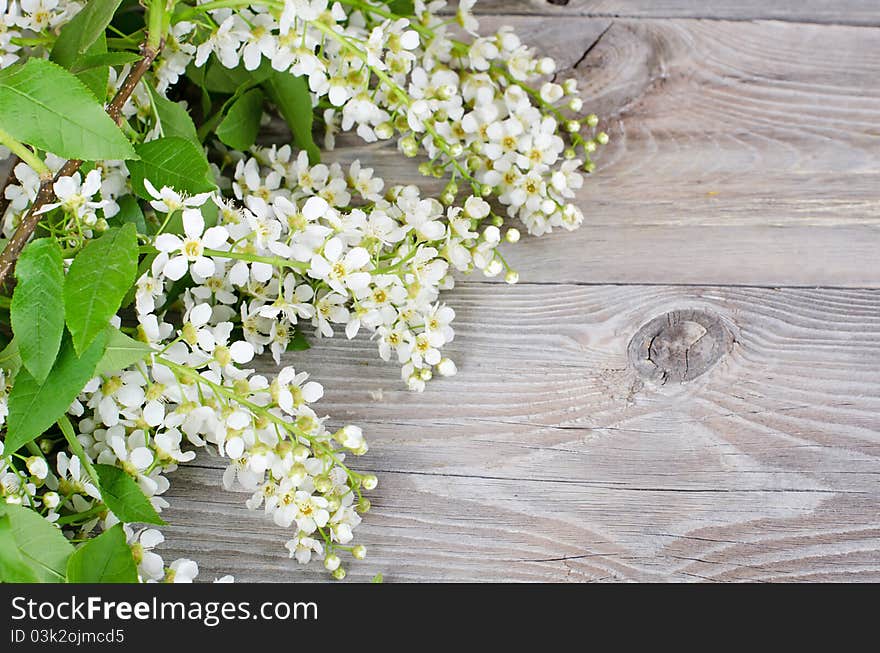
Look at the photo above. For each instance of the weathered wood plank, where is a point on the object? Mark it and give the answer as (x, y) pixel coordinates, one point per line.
(550, 457)
(852, 12)
(714, 125)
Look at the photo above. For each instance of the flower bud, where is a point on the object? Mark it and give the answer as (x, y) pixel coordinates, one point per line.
(570, 86)
(384, 131)
(370, 482)
(592, 120)
(486, 191)
(602, 138)
(409, 146)
(576, 104)
(51, 500)
(569, 153)
(511, 277)
(546, 66)
(101, 225)
(363, 505)
(359, 552)
(446, 367)
(339, 574)
(332, 562)
(572, 126)
(37, 466)
(512, 235)
(323, 484)
(425, 374)
(494, 268)
(456, 150)
(492, 235)
(590, 146)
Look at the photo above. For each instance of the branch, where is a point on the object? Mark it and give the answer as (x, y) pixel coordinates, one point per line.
(46, 194)
(4, 203)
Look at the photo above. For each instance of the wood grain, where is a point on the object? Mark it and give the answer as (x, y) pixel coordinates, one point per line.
(550, 458)
(741, 153)
(852, 12)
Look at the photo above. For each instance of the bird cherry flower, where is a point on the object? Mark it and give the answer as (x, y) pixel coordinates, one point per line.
(189, 251)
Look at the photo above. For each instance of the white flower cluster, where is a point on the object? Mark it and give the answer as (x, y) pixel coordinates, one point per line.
(289, 248)
(22, 22)
(470, 105)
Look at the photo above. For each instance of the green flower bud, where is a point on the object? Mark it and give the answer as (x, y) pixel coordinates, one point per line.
(592, 120)
(409, 146)
(359, 552)
(370, 482)
(339, 574)
(332, 562)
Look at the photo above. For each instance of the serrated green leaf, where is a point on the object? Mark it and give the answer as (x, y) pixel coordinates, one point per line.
(37, 310)
(121, 352)
(124, 497)
(10, 359)
(86, 27)
(34, 406)
(174, 162)
(98, 279)
(240, 126)
(291, 95)
(174, 118)
(40, 544)
(95, 77)
(13, 567)
(103, 60)
(44, 105)
(104, 559)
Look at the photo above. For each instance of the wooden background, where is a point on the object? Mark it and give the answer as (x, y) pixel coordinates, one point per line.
(737, 438)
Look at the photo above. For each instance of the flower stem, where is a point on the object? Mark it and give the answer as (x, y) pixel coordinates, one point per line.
(77, 448)
(24, 153)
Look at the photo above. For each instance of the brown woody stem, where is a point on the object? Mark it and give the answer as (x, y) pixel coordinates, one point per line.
(4, 203)
(46, 194)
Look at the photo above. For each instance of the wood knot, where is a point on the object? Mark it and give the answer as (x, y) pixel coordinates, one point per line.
(679, 346)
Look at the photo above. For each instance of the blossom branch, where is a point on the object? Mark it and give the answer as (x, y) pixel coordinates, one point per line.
(46, 193)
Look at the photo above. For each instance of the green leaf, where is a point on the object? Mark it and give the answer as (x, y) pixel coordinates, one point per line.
(220, 79)
(40, 544)
(104, 559)
(86, 27)
(13, 567)
(121, 352)
(130, 213)
(402, 7)
(240, 126)
(34, 406)
(10, 359)
(291, 95)
(124, 497)
(174, 162)
(378, 578)
(37, 311)
(95, 77)
(103, 60)
(98, 279)
(44, 105)
(298, 342)
(174, 118)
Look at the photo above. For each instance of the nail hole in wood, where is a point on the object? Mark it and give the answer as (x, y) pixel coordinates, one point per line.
(679, 346)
